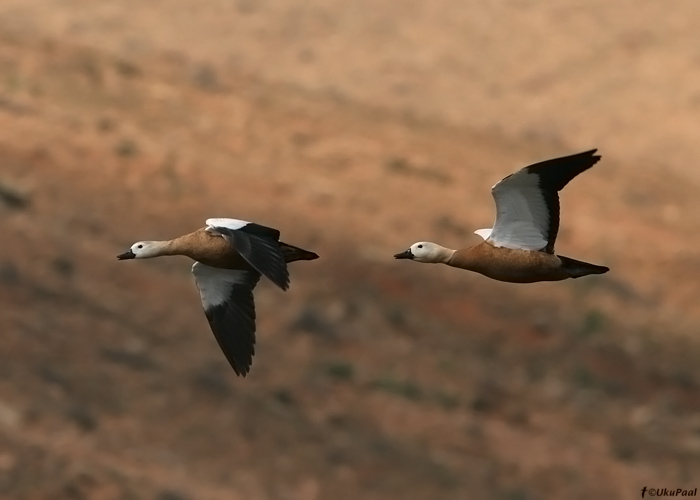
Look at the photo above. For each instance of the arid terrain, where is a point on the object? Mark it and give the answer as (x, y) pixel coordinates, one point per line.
(357, 128)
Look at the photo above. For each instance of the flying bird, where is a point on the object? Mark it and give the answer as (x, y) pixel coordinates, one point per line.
(520, 246)
(230, 257)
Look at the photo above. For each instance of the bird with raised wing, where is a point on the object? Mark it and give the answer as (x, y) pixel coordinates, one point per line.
(520, 246)
(231, 255)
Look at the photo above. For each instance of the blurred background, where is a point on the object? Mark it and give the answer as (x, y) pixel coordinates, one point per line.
(356, 127)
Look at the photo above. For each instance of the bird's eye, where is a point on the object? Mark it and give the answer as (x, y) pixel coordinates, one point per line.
(420, 246)
(139, 246)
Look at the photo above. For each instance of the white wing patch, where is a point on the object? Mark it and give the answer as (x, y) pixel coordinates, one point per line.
(215, 284)
(522, 216)
(484, 233)
(232, 224)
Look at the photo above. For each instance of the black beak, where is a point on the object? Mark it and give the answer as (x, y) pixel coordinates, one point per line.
(404, 255)
(126, 255)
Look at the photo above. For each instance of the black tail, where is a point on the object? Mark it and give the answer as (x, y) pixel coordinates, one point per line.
(577, 268)
(292, 253)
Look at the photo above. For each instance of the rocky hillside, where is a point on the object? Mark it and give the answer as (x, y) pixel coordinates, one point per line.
(356, 129)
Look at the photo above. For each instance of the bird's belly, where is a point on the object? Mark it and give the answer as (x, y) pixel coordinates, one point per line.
(539, 267)
(221, 255)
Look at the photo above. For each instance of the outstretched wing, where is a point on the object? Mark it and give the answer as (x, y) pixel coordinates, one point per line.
(257, 244)
(227, 298)
(527, 202)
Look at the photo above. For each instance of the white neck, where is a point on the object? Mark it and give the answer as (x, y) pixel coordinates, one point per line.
(437, 255)
(157, 249)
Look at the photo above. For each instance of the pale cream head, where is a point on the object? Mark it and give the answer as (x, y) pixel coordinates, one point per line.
(143, 250)
(426, 251)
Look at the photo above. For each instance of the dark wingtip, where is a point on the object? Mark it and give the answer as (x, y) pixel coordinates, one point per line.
(280, 277)
(589, 156)
(242, 371)
(556, 173)
(592, 153)
(241, 364)
(238, 345)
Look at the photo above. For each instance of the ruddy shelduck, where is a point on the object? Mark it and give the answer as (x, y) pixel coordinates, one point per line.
(230, 256)
(520, 246)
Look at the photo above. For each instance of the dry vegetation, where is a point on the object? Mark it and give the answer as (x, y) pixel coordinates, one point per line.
(357, 128)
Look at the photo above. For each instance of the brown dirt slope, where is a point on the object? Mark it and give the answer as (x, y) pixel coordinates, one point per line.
(373, 379)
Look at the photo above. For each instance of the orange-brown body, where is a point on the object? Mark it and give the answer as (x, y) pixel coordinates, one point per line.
(213, 250)
(515, 266)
